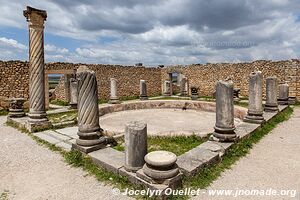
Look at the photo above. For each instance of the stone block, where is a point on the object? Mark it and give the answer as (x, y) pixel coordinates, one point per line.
(108, 158)
(47, 137)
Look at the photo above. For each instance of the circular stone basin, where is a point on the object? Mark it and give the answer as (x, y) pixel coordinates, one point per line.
(162, 122)
(160, 158)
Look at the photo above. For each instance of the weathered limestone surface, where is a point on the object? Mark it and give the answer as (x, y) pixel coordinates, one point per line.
(224, 128)
(73, 93)
(135, 145)
(113, 91)
(16, 107)
(255, 108)
(37, 111)
(183, 87)
(143, 90)
(167, 88)
(283, 98)
(271, 100)
(89, 130)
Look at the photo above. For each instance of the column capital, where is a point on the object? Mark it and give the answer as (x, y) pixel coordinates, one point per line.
(35, 16)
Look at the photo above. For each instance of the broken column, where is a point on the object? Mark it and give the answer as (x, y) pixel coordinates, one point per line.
(255, 107)
(16, 108)
(283, 97)
(89, 131)
(73, 93)
(194, 93)
(224, 128)
(271, 95)
(37, 112)
(167, 88)
(143, 90)
(113, 91)
(161, 168)
(183, 87)
(135, 145)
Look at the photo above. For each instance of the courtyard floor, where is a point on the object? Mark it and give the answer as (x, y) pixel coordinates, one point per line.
(31, 171)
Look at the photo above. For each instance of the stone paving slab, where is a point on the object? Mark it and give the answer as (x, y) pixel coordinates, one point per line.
(195, 159)
(65, 146)
(245, 129)
(47, 137)
(108, 158)
(69, 131)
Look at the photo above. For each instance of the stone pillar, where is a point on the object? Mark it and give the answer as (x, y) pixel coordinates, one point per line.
(67, 78)
(37, 111)
(183, 88)
(73, 93)
(89, 131)
(255, 108)
(271, 93)
(224, 128)
(135, 145)
(194, 93)
(143, 90)
(167, 88)
(283, 98)
(16, 107)
(161, 168)
(113, 91)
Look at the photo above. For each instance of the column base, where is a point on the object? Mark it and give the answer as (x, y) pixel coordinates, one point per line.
(114, 101)
(16, 113)
(254, 119)
(143, 97)
(87, 149)
(223, 137)
(73, 105)
(34, 125)
(283, 101)
(271, 108)
(132, 169)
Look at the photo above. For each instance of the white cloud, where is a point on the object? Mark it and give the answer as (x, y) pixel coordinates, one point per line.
(55, 49)
(11, 43)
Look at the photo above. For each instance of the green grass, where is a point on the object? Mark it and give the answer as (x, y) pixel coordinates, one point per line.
(206, 176)
(242, 104)
(178, 144)
(3, 112)
(4, 195)
(59, 102)
(62, 117)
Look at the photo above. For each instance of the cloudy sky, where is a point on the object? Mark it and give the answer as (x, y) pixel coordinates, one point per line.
(157, 31)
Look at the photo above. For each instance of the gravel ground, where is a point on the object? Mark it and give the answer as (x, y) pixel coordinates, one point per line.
(29, 171)
(273, 163)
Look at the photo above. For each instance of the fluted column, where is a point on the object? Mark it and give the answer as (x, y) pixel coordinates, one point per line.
(89, 131)
(36, 18)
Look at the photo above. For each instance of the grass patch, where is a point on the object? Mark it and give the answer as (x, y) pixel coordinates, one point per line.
(242, 104)
(206, 176)
(59, 102)
(3, 112)
(62, 117)
(178, 144)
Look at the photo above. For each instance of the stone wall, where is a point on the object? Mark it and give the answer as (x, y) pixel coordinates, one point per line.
(205, 76)
(14, 76)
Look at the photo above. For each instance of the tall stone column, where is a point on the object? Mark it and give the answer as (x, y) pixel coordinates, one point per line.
(73, 93)
(143, 90)
(283, 98)
(271, 93)
(224, 128)
(89, 131)
(183, 87)
(167, 88)
(37, 111)
(113, 91)
(255, 107)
